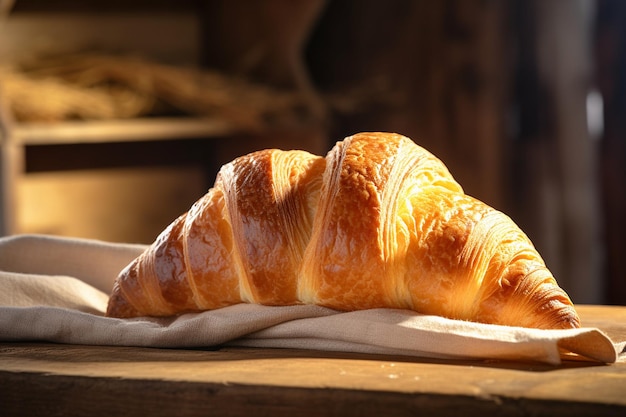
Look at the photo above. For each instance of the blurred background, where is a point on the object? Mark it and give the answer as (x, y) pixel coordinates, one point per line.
(115, 116)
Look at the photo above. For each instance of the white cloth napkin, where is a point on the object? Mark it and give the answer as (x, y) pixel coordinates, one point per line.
(56, 289)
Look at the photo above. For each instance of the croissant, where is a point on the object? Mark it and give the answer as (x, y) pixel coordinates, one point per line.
(378, 222)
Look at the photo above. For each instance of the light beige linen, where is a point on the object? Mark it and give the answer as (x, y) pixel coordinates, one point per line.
(56, 289)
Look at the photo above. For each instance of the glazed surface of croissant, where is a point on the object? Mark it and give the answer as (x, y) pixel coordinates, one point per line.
(378, 222)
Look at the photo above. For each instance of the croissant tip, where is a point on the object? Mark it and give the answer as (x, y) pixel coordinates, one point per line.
(118, 306)
(564, 318)
(572, 322)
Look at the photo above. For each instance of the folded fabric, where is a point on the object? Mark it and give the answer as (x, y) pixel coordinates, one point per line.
(56, 289)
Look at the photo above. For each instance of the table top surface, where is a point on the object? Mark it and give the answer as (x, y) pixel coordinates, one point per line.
(236, 381)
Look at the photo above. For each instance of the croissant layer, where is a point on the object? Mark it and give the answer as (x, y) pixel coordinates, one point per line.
(378, 222)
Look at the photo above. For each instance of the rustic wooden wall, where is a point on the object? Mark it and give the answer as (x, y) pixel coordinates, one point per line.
(610, 47)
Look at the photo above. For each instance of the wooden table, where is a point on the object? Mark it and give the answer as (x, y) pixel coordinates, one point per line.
(52, 379)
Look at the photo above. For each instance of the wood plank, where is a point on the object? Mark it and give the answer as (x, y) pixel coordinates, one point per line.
(130, 130)
(611, 319)
(72, 380)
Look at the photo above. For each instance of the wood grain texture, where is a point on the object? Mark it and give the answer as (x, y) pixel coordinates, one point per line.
(75, 380)
(610, 54)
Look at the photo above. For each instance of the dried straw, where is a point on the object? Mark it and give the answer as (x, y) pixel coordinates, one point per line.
(91, 86)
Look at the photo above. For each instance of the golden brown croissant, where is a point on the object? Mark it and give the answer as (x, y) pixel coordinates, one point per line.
(379, 222)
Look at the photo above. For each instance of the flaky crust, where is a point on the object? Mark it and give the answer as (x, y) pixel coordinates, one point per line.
(379, 222)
